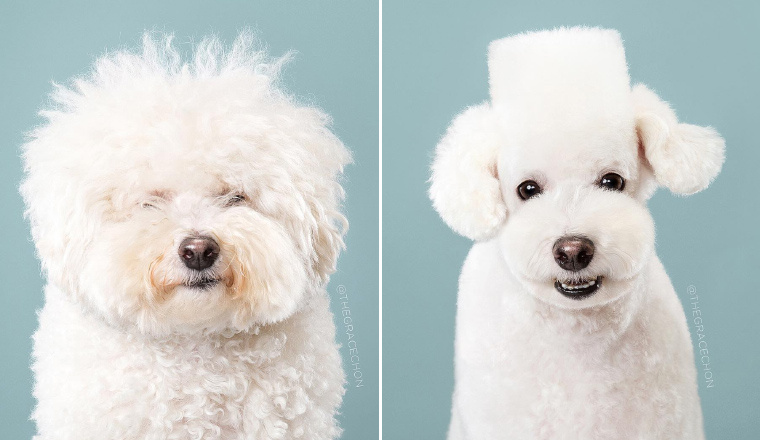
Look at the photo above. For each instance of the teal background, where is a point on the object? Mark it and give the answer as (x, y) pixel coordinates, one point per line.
(701, 56)
(336, 68)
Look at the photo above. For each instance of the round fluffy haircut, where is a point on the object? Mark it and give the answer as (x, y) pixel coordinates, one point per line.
(152, 147)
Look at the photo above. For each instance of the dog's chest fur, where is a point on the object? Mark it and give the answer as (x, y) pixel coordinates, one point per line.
(281, 381)
(526, 370)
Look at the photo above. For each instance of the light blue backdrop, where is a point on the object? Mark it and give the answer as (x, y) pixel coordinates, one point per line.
(336, 68)
(700, 56)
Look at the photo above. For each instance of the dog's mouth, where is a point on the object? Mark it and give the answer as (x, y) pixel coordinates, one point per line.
(578, 289)
(202, 283)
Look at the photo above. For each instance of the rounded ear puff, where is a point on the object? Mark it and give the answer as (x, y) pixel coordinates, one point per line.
(465, 186)
(684, 158)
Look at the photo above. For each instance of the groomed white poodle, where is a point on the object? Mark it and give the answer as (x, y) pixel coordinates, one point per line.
(567, 325)
(187, 215)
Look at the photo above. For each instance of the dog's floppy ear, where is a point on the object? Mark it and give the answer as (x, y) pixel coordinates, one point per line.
(465, 186)
(685, 158)
(327, 240)
(318, 174)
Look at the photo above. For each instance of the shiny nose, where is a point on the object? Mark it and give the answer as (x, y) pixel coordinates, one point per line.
(198, 253)
(573, 253)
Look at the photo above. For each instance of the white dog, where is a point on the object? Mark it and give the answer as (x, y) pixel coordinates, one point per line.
(187, 215)
(567, 325)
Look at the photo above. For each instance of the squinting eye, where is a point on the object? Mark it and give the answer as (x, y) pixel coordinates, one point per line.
(528, 189)
(147, 205)
(237, 199)
(612, 182)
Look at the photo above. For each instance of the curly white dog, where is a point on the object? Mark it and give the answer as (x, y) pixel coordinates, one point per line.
(187, 215)
(567, 325)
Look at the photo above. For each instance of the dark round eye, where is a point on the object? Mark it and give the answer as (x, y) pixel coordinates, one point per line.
(528, 189)
(237, 199)
(612, 182)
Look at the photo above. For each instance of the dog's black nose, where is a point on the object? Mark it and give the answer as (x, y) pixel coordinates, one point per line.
(198, 253)
(573, 253)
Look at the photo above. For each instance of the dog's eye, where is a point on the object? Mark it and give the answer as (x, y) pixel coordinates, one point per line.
(148, 205)
(237, 199)
(528, 189)
(612, 182)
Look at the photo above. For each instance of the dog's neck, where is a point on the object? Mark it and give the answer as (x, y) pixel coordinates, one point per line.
(81, 305)
(596, 328)
(261, 343)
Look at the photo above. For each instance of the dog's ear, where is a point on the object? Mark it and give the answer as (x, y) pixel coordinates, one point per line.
(684, 158)
(327, 240)
(61, 209)
(319, 176)
(465, 185)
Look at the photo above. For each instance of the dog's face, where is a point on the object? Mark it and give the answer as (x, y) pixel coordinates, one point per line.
(204, 246)
(179, 202)
(567, 204)
(578, 233)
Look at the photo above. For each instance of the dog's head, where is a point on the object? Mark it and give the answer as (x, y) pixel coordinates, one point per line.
(559, 164)
(185, 196)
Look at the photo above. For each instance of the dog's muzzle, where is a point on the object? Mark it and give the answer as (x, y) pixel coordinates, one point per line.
(574, 253)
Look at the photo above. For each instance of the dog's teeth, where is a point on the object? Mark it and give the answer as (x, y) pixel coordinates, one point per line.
(585, 285)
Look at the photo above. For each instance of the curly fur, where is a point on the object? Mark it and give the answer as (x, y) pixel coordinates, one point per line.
(144, 151)
(532, 363)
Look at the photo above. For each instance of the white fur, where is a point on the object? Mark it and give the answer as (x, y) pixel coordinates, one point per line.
(532, 363)
(144, 151)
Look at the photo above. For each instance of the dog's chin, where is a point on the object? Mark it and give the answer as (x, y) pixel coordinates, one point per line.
(577, 294)
(202, 293)
(202, 284)
(195, 306)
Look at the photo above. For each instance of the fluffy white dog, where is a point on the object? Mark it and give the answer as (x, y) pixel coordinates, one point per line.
(187, 215)
(567, 325)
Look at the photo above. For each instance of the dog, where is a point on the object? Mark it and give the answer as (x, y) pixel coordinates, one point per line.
(567, 324)
(187, 214)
